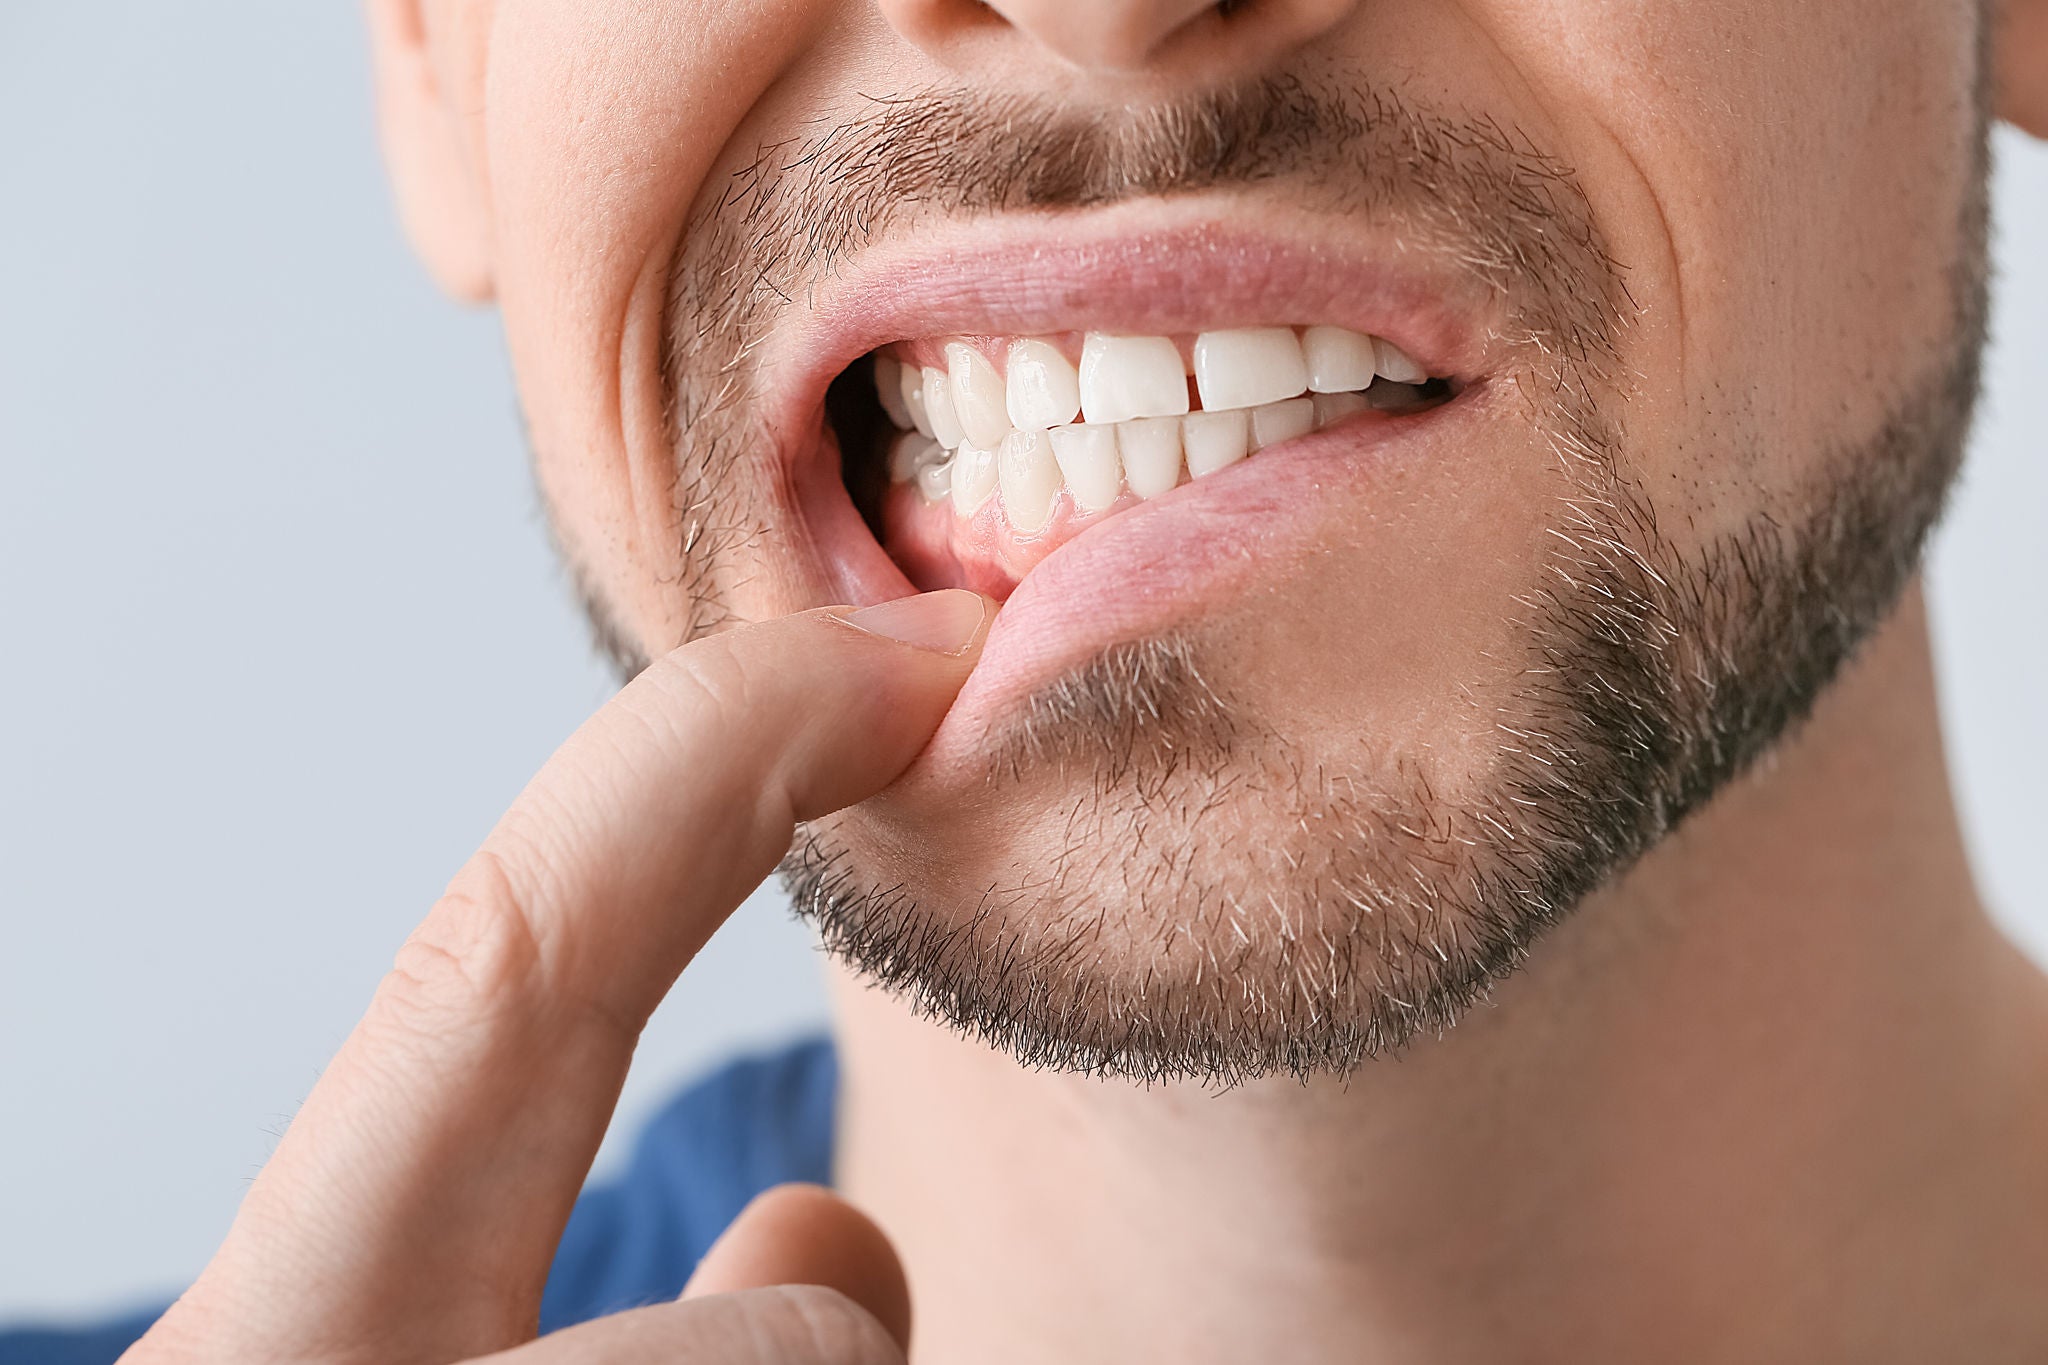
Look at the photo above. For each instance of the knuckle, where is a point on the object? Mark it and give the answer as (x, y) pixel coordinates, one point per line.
(726, 683)
(476, 950)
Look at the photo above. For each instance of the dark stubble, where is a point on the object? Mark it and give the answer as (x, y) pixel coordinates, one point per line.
(1382, 910)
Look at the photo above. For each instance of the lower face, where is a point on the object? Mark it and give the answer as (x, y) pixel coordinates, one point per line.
(1413, 482)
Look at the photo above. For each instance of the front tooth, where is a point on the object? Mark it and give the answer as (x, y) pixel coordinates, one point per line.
(1331, 406)
(974, 478)
(1396, 364)
(1043, 390)
(1150, 447)
(1277, 422)
(910, 453)
(1126, 377)
(1030, 477)
(889, 388)
(1215, 439)
(938, 406)
(1339, 359)
(935, 480)
(1246, 366)
(977, 395)
(913, 399)
(1087, 457)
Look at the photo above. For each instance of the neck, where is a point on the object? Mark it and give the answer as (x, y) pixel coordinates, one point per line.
(1767, 1097)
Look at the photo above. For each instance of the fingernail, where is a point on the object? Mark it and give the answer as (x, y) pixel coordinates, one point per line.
(946, 620)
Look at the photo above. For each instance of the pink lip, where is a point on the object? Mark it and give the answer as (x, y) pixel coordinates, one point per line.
(1180, 555)
(1148, 268)
(936, 547)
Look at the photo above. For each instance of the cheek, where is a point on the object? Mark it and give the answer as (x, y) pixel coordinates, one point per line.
(599, 121)
(1785, 185)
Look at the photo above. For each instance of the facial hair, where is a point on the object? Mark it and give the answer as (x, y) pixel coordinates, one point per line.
(1379, 909)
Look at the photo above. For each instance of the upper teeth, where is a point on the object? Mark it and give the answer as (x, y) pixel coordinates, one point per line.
(980, 432)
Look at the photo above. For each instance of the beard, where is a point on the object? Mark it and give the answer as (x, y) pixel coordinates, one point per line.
(1343, 915)
(1226, 905)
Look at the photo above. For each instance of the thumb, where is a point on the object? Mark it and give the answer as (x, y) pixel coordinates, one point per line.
(805, 1234)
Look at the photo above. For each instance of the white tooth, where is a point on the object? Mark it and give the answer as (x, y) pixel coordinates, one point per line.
(935, 480)
(1277, 422)
(974, 478)
(977, 395)
(938, 406)
(1395, 363)
(1246, 366)
(1215, 439)
(1332, 406)
(1150, 447)
(889, 388)
(1087, 456)
(1126, 377)
(910, 453)
(1043, 390)
(913, 399)
(1339, 359)
(1030, 477)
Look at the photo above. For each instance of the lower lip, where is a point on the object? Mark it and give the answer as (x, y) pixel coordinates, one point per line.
(1182, 555)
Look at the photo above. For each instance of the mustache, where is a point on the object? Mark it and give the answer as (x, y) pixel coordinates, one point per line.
(1474, 194)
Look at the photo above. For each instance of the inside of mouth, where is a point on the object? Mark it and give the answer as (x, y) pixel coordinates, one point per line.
(972, 457)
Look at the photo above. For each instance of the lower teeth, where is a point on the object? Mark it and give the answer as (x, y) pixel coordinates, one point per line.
(1095, 464)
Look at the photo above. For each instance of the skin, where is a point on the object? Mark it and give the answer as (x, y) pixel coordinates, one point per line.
(1772, 1094)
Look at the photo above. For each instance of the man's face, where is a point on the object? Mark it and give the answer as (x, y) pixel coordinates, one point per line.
(1271, 761)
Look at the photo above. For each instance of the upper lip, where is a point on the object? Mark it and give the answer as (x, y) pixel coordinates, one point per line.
(1164, 267)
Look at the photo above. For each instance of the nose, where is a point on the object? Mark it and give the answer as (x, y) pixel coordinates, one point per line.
(1231, 38)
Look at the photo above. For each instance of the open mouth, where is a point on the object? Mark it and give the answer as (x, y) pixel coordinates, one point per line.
(1125, 421)
(972, 458)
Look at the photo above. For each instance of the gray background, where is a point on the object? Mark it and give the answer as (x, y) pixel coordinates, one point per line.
(285, 635)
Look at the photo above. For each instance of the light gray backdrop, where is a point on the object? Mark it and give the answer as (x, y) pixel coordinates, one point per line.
(283, 634)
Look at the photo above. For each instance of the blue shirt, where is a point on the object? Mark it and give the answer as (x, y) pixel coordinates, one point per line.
(755, 1123)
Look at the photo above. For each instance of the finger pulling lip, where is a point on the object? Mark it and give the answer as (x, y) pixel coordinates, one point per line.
(1191, 553)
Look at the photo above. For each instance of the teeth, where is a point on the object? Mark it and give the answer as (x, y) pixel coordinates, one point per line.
(1331, 407)
(977, 396)
(912, 393)
(1215, 439)
(1030, 479)
(935, 480)
(912, 453)
(1339, 359)
(1277, 422)
(889, 388)
(1043, 390)
(974, 478)
(1248, 366)
(1120, 422)
(938, 406)
(1127, 377)
(1395, 363)
(1087, 457)
(1150, 447)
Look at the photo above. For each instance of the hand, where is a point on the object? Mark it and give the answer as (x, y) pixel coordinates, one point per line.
(412, 1209)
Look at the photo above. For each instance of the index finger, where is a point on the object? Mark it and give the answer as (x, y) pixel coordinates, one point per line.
(412, 1209)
